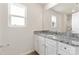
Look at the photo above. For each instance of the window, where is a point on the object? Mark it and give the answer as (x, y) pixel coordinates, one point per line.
(16, 15)
(53, 21)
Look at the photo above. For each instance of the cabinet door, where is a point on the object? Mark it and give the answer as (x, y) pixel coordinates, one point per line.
(65, 49)
(50, 50)
(51, 42)
(61, 52)
(36, 43)
(41, 46)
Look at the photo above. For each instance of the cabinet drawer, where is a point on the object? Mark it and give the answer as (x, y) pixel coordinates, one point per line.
(71, 49)
(67, 48)
(51, 42)
(61, 52)
(62, 46)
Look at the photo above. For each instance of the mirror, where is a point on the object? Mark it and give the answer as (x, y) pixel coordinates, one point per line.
(75, 22)
(70, 22)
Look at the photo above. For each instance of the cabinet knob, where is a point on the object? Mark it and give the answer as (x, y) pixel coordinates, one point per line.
(65, 48)
(59, 54)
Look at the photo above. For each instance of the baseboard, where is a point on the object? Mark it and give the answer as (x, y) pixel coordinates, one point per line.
(27, 53)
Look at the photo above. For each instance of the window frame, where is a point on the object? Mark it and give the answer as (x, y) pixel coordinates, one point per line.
(9, 15)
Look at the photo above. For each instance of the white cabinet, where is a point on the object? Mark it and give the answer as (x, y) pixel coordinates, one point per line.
(50, 50)
(45, 46)
(51, 42)
(51, 47)
(41, 45)
(61, 52)
(65, 49)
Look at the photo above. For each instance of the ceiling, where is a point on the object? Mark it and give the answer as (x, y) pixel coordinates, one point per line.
(43, 4)
(67, 8)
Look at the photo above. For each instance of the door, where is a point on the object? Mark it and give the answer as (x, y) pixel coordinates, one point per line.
(50, 50)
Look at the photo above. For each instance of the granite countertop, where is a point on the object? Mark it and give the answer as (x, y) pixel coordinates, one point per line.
(58, 36)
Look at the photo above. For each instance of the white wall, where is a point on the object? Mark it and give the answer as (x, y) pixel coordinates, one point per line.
(20, 39)
(0, 23)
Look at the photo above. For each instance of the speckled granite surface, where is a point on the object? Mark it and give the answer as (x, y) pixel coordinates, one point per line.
(58, 36)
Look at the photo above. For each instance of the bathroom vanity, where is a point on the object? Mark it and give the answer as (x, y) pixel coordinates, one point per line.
(53, 43)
